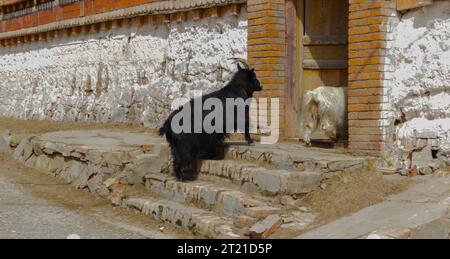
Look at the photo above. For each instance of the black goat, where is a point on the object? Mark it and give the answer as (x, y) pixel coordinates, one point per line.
(187, 147)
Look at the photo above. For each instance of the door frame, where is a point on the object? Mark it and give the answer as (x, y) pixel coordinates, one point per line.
(294, 37)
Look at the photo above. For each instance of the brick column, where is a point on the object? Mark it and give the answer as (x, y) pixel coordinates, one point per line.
(369, 73)
(267, 49)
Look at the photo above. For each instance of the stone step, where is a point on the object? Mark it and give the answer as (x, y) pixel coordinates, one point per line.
(222, 198)
(251, 176)
(197, 221)
(300, 158)
(231, 199)
(203, 222)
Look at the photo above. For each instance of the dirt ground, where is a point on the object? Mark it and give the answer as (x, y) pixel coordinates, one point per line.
(17, 126)
(350, 192)
(80, 202)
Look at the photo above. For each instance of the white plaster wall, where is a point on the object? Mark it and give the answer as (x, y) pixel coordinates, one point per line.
(125, 75)
(419, 94)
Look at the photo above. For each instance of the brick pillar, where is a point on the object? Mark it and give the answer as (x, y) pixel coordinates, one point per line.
(267, 49)
(369, 73)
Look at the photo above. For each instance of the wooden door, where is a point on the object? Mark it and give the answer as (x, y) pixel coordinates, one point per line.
(323, 46)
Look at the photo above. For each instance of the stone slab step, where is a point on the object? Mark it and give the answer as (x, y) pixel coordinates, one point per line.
(194, 220)
(228, 200)
(223, 198)
(252, 176)
(298, 157)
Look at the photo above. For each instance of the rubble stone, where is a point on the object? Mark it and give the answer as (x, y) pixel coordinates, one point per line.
(18, 153)
(287, 200)
(261, 212)
(55, 165)
(109, 182)
(31, 162)
(136, 203)
(81, 181)
(265, 228)
(118, 191)
(94, 157)
(243, 221)
(230, 203)
(36, 146)
(95, 182)
(73, 171)
(42, 163)
(5, 148)
(444, 154)
(425, 170)
(423, 157)
(144, 165)
(49, 148)
(63, 149)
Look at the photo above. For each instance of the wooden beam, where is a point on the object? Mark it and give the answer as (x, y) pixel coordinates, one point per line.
(325, 40)
(236, 9)
(116, 24)
(194, 15)
(325, 64)
(77, 30)
(212, 12)
(86, 29)
(96, 27)
(404, 5)
(180, 17)
(51, 34)
(143, 20)
(128, 22)
(68, 31)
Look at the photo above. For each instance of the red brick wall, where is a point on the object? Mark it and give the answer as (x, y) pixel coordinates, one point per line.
(267, 48)
(368, 27)
(71, 11)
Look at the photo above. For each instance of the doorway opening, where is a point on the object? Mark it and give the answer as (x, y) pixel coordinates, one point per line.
(322, 54)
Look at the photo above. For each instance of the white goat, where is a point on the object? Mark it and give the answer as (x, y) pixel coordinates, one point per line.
(325, 109)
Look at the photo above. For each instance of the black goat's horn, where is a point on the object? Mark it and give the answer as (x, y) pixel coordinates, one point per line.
(242, 61)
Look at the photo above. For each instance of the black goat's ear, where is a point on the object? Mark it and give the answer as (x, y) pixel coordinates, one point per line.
(239, 66)
(253, 70)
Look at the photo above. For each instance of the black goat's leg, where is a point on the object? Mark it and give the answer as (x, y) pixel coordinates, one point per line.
(187, 164)
(177, 164)
(248, 137)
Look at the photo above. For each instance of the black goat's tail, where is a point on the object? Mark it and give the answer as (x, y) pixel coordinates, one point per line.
(163, 130)
(167, 131)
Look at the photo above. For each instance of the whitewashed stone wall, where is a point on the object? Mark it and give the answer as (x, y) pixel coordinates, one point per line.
(419, 89)
(124, 75)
